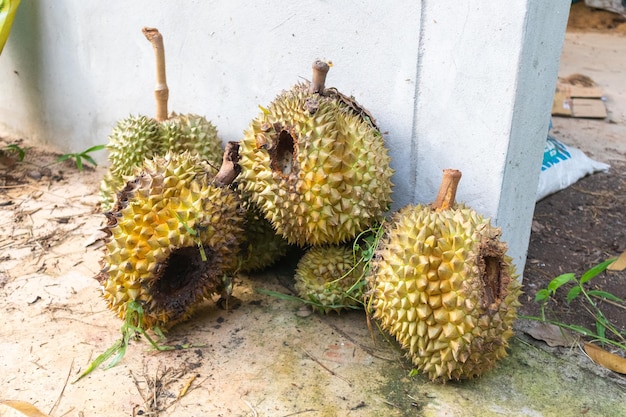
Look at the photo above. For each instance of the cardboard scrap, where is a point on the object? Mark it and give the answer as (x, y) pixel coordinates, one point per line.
(578, 101)
(619, 264)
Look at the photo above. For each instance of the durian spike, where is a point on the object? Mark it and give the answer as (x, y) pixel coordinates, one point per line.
(447, 190)
(161, 92)
(320, 69)
(230, 167)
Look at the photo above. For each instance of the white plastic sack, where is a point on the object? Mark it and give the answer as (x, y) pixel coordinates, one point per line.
(562, 166)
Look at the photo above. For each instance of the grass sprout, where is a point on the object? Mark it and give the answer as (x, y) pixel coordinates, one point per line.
(80, 156)
(131, 329)
(605, 332)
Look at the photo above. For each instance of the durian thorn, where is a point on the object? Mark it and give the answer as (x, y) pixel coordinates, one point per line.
(161, 92)
(447, 190)
(230, 167)
(320, 69)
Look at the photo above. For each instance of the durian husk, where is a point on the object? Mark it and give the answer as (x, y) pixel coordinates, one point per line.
(137, 138)
(193, 133)
(133, 139)
(317, 167)
(443, 286)
(173, 239)
(330, 278)
(261, 246)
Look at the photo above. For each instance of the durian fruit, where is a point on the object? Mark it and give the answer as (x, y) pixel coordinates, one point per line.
(133, 139)
(192, 133)
(442, 284)
(261, 246)
(331, 278)
(174, 238)
(136, 138)
(315, 164)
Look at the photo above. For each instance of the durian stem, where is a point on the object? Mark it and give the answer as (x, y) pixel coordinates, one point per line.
(161, 92)
(320, 69)
(230, 166)
(447, 190)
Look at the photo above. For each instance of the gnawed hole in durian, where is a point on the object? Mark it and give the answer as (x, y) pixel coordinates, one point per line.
(282, 154)
(492, 280)
(180, 280)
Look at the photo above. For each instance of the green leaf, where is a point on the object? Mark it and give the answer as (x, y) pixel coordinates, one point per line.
(90, 159)
(559, 281)
(100, 359)
(542, 295)
(601, 329)
(580, 329)
(65, 157)
(79, 163)
(202, 252)
(20, 152)
(94, 148)
(596, 270)
(604, 294)
(120, 354)
(280, 295)
(573, 293)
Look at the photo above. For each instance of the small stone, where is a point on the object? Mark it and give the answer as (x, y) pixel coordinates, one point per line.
(34, 174)
(304, 311)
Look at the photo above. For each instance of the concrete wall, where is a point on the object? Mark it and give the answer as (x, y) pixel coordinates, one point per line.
(486, 78)
(453, 84)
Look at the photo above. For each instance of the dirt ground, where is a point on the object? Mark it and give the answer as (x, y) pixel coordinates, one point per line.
(244, 364)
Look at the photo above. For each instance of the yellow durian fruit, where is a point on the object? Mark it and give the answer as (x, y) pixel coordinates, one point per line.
(443, 286)
(330, 278)
(261, 246)
(315, 164)
(173, 240)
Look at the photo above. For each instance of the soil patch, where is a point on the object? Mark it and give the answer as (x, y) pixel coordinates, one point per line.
(573, 230)
(586, 19)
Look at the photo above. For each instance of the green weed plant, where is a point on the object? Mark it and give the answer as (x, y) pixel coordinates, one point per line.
(605, 332)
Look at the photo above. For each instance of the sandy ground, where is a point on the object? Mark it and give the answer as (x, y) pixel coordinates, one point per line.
(600, 56)
(264, 358)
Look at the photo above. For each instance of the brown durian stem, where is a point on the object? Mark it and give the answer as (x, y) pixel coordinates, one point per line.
(447, 190)
(161, 92)
(320, 69)
(230, 167)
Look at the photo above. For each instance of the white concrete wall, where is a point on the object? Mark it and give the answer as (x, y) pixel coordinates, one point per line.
(485, 82)
(463, 84)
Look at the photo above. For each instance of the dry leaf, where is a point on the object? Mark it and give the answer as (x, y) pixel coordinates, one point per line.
(619, 264)
(607, 359)
(10, 408)
(551, 334)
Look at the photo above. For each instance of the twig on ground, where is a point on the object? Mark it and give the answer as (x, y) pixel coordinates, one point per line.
(185, 387)
(187, 391)
(594, 193)
(391, 404)
(254, 413)
(156, 387)
(56, 403)
(308, 410)
(370, 351)
(613, 303)
(333, 373)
